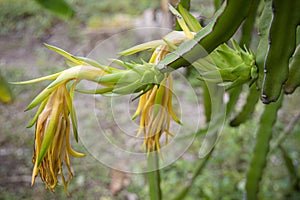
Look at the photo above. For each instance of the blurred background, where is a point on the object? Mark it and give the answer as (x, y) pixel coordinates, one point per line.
(25, 26)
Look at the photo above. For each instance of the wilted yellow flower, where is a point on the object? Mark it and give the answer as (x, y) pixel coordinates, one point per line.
(155, 110)
(155, 106)
(52, 147)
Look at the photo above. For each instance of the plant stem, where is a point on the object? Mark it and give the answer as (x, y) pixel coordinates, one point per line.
(154, 176)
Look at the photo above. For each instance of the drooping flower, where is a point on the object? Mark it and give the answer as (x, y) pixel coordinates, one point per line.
(54, 118)
(52, 147)
(155, 106)
(155, 110)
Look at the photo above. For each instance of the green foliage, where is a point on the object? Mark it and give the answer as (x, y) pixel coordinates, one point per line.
(248, 25)
(263, 28)
(293, 80)
(59, 7)
(277, 70)
(261, 149)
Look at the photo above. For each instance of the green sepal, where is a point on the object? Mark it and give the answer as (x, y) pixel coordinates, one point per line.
(79, 72)
(38, 112)
(72, 114)
(64, 54)
(97, 91)
(170, 44)
(181, 22)
(142, 47)
(127, 88)
(94, 63)
(40, 97)
(50, 77)
(190, 20)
